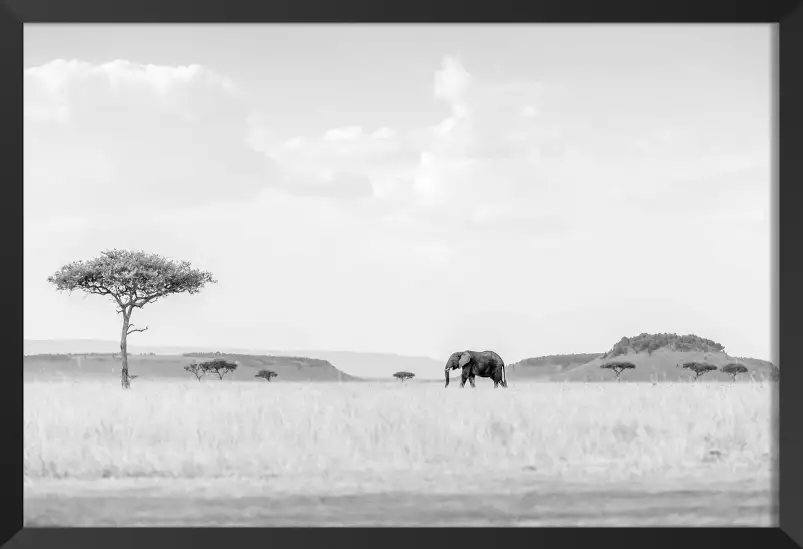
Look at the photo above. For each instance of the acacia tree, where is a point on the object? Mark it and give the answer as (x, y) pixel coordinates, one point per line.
(219, 367)
(404, 375)
(617, 367)
(733, 369)
(132, 279)
(699, 368)
(196, 370)
(266, 374)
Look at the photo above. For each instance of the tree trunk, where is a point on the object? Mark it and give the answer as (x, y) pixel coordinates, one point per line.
(123, 350)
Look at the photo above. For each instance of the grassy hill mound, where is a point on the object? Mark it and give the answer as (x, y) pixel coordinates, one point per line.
(655, 357)
(660, 366)
(171, 367)
(538, 367)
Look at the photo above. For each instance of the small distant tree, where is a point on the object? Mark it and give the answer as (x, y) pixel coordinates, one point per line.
(132, 279)
(733, 369)
(196, 370)
(266, 374)
(219, 367)
(699, 368)
(404, 375)
(617, 367)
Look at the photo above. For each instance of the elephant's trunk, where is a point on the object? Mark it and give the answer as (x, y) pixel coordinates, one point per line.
(446, 373)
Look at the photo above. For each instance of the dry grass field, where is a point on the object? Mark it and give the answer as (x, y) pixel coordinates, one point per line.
(181, 453)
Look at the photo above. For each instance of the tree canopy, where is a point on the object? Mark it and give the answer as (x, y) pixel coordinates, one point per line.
(196, 370)
(733, 369)
(219, 367)
(131, 278)
(699, 368)
(618, 366)
(404, 375)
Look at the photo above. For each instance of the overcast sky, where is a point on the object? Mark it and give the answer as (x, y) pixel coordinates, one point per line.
(531, 189)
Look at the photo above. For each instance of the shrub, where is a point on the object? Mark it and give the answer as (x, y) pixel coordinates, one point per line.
(266, 374)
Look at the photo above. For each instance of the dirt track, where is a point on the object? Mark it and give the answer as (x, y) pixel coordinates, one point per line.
(713, 506)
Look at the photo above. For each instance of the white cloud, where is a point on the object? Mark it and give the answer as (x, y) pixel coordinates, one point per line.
(444, 126)
(58, 75)
(327, 183)
(383, 133)
(382, 159)
(435, 253)
(126, 135)
(391, 188)
(452, 83)
(529, 111)
(343, 134)
(482, 164)
(489, 164)
(294, 143)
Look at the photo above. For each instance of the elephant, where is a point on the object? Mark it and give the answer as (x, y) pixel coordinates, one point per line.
(477, 363)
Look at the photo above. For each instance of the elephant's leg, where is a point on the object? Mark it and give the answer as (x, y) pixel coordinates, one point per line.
(463, 378)
(471, 380)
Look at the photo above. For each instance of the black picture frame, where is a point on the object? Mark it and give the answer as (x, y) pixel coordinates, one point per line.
(789, 115)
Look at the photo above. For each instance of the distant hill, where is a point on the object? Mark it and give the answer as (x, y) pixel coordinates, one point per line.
(539, 367)
(661, 365)
(361, 365)
(160, 367)
(655, 356)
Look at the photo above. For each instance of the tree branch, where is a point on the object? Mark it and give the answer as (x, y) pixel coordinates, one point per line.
(130, 331)
(144, 300)
(119, 301)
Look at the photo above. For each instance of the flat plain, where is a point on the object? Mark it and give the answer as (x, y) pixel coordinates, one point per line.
(171, 453)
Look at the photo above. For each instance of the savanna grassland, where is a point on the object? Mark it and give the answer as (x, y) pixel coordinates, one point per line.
(230, 453)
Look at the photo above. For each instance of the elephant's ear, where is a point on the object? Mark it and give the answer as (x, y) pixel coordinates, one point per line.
(465, 358)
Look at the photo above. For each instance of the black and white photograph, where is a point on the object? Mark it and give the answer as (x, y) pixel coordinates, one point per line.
(439, 275)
